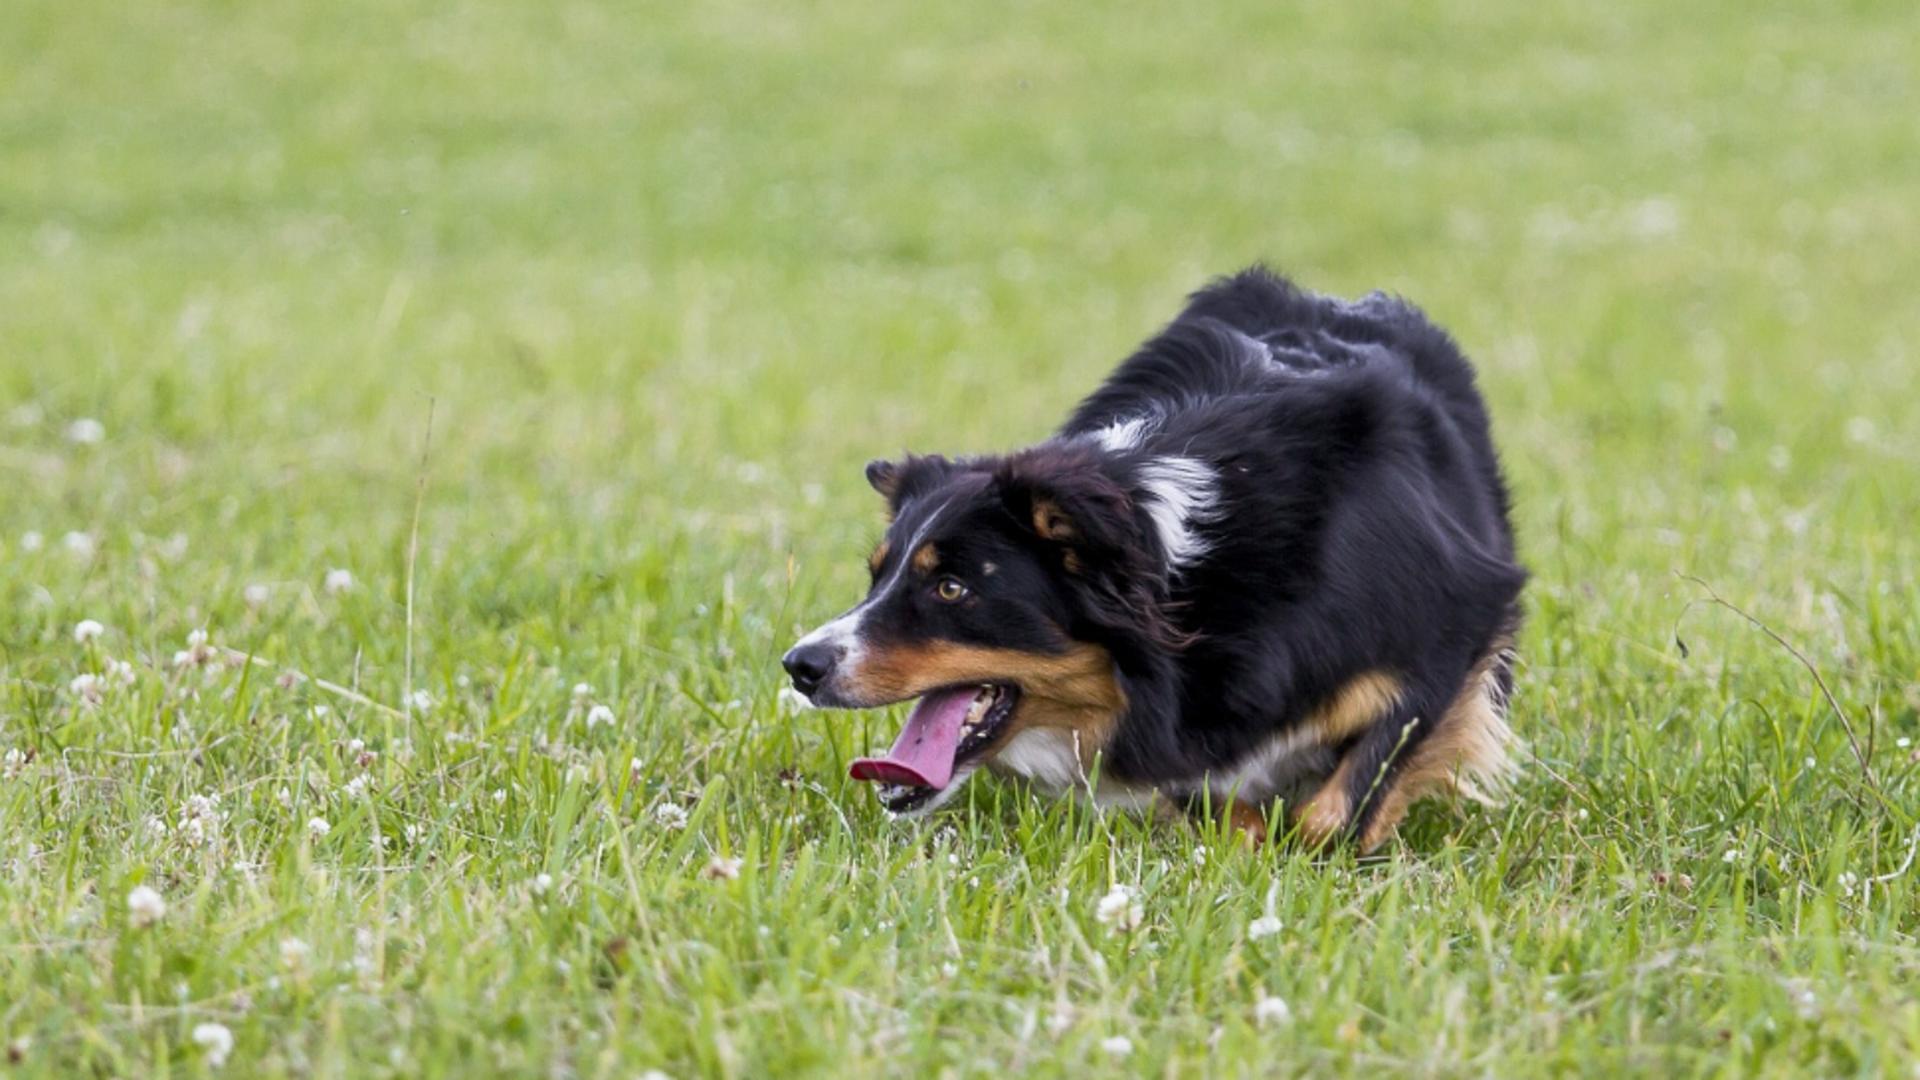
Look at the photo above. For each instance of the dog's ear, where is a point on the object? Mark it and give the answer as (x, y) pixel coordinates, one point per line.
(1087, 517)
(1068, 501)
(884, 475)
(898, 481)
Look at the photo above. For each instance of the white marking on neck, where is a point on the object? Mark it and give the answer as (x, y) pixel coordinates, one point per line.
(1123, 435)
(1182, 493)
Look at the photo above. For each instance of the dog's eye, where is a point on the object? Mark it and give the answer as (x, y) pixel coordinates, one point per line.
(950, 589)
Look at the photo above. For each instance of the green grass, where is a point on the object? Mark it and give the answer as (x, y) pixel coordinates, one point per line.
(665, 277)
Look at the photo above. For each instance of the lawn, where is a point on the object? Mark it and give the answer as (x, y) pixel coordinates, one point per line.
(422, 427)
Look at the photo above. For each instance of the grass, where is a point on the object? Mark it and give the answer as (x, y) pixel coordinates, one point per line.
(665, 277)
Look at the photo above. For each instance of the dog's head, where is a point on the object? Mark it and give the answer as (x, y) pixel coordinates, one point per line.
(1000, 594)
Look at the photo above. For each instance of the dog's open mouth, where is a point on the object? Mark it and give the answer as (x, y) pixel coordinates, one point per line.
(946, 730)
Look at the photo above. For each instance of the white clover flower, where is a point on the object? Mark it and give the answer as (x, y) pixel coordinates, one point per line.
(198, 652)
(582, 693)
(670, 816)
(88, 688)
(216, 1040)
(156, 826)
(194, 829)
(31, 540)
(1271, 1010)
(318, 828)
(421, 701)
(87, 630)
(1118, 1046)
(1848, 880)
(1903, 742)
(121, 671)
(256, 595)
(722, 868)
(1732, 855)
(294, 953)
(13, 762)
(1060, 1019)
(635, 769)
(202, 806)
(357, 786)
(338, 580)
(1805, 1002)
(80, 545)
(1263, 927)
(599, 714)
(541, 884)
(499, 796)
(1200, 855)
(86, 431)
(145, 905)
(949, 969)
(1120, 909)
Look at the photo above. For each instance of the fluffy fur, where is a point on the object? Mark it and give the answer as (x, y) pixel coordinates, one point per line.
(1270, 558)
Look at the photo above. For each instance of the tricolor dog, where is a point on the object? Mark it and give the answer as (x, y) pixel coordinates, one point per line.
(1269, 561)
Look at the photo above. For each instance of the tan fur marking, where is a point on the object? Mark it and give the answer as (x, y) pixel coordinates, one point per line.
(1050, 522)
(1355, 706)
(1465, 757)
(1321, 819)
(1248, 821)
(1350, 710)
(879, 557)
(926, 560)
(1075, 690)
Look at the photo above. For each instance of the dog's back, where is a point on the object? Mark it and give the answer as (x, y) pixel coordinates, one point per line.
(1351, 531)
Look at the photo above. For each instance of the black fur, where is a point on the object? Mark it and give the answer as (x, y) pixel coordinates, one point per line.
(1366, 521)
(1360, 523)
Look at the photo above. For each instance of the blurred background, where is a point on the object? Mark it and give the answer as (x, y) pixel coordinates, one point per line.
(671, 273)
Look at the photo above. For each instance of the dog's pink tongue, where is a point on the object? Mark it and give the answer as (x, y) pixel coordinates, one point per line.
(923, 754)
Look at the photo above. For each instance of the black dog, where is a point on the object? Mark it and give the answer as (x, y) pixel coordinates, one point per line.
(1270, 558)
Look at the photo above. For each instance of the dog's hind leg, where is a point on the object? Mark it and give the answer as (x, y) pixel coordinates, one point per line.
(1414, 752)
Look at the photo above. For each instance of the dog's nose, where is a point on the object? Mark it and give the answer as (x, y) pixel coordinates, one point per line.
(810, 664)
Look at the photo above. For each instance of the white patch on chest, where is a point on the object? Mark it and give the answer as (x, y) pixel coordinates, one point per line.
(1283, 767)
(1049, 759)
(1045, 756)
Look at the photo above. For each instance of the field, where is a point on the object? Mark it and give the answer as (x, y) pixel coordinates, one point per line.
(448, 413)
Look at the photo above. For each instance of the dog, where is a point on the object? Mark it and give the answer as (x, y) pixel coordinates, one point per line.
(1268, 563)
